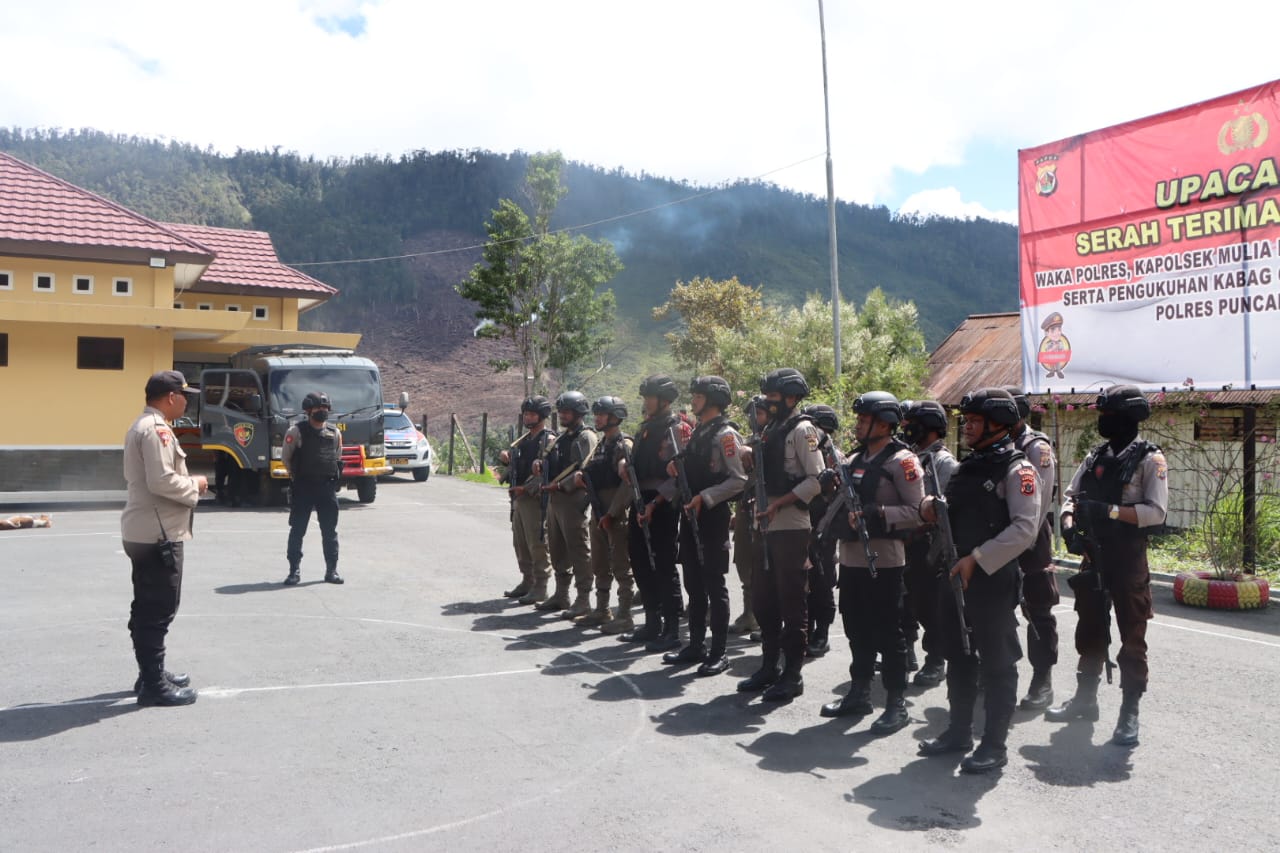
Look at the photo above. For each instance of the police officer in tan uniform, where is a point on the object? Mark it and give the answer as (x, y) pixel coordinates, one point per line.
(792, 465)
(156, 521)
(1118, 494)
(528, 536)
(746, 534)
(887, 478)
(994, 500)
(713, 464)
(313, 457)
(1039, 583)
(567, 535)
(610, 559)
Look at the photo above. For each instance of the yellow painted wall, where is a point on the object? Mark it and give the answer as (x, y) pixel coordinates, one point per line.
(278, 313)
(68, 407)
(150, 287)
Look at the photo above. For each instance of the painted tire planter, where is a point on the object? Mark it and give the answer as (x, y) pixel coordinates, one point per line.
(1204, 589)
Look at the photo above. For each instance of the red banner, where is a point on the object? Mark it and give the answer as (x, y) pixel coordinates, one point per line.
(1148, 250)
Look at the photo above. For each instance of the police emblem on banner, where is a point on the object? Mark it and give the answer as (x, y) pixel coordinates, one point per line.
(1241, 132)
(243, 433)
(1047, 174)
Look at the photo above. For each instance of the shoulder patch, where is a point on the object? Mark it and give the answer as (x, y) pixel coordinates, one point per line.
(729, 445)
(1046, 459)
(812, 441)
(1162, 466)
(910, 469)
(164, 434)
(1027, 480)
(288, 439)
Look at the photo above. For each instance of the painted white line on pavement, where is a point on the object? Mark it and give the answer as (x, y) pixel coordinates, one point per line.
(115, 533)
(227, 692)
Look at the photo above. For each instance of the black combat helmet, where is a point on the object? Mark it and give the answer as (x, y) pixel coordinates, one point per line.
(661, 386)
(929, 414)
(538, 404)
(995, 404)
(824, 416)
(1125, 400)
(573, 401)
(786, 381)
(714, 388)
(879, 404)
(1020, 397)
(315, 400)
(610, 406)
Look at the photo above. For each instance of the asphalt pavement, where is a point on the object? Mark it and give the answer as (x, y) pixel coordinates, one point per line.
(414, 709)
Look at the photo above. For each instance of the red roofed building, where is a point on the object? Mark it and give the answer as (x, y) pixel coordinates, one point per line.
(94, 298)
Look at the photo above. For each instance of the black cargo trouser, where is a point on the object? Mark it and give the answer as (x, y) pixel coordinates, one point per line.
(157, 589)
(990, 603)
(1040, 594)
(871, 609)
(659, 584)
(320, 496)
(920, 605)
(779, 598)
(822, 581)
(705, 581)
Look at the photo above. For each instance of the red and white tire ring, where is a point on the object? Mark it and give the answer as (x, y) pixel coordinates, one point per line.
(1204, 589)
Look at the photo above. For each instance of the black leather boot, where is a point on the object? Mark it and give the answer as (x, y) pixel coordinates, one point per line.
(1126, 733)
(985, 758)
(668, 640)
(692, 653)
(932, 673)
(157, 690)
(788, 686)
(954, 739)
(1082, 706)
(294, 575)
(177, 679)
(766, 675)
(819, 644)
(894, 717)
(331, 574)
(1040, 693)
(857, 702)
(717, 661)
(650, 630)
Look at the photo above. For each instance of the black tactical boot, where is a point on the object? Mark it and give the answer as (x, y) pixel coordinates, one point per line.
(819, 644)
(1040, 693)
(1082, 706)
(692, 653)
(766, 675)
(856, 702)
(668, 640)
(788, 686)
(954, 739)
(331, 575)
(717, 661)
(1126, 733)
(894, 717)
(177, 679)
(932, 673)
(985, 758)
(650, 630)
(294, 575)
(156, 690)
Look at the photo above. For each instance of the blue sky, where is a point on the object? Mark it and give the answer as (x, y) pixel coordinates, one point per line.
(929, 100)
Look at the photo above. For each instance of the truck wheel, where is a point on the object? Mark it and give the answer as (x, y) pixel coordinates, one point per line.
(367, 489)
(421, 474)
(273, 491)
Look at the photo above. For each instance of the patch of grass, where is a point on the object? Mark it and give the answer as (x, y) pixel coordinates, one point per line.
(487, 478)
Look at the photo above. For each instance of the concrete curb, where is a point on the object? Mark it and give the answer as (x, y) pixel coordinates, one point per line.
(1071, 567)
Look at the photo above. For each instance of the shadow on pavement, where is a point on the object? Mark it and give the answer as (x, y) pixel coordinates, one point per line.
(261, 586)
(1072, 760)
(33, 722)
(601, 660)
(899, 800)
(462, 608)
(809, 750)
(655, 685)
(727, 714)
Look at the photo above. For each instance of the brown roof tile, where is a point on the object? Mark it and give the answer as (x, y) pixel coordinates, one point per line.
(38, 207)
(247, 259)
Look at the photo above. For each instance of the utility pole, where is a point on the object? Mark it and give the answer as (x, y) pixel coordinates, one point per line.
(831, 200)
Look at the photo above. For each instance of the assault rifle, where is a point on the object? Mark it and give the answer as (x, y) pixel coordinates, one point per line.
(597, 509)
(756, 443)
(854, 502)
(1088, 534)
(837, 503)
(942, 511)
(686, 494)
(637, 504)
(544, 483)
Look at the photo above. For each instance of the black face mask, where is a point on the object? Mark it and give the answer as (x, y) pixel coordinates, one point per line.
(1117, 429)
(913, 433)
(319, 415)
(778, 410)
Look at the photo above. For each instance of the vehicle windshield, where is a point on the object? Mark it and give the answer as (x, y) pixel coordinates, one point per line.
(396, 420)
(349, 388)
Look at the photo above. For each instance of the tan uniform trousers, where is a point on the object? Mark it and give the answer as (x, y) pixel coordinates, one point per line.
(610, 559)
(746, 548)
(526, 537)
(567, 540)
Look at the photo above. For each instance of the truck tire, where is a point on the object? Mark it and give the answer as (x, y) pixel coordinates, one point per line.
(421, 474)
(273, 491)
(367, 489)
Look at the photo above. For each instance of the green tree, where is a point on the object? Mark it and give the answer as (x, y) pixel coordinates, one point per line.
(538, 288)
(706, 308)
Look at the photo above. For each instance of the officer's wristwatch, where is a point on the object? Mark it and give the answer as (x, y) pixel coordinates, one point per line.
(1113, 512)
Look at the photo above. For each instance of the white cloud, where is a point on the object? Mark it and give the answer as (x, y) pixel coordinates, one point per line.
(704, 91)
(948, 202)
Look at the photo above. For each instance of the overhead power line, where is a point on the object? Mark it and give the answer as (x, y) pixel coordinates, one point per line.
(724, 185)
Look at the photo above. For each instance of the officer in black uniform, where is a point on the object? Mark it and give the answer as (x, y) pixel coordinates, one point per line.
(713, 465)
(651, 451)
(1039, 583)
(1119, 492)
(822, 553)
(313, 457)
(994, 501)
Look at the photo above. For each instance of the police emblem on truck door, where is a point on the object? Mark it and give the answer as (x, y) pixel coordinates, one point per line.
(243, 433)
